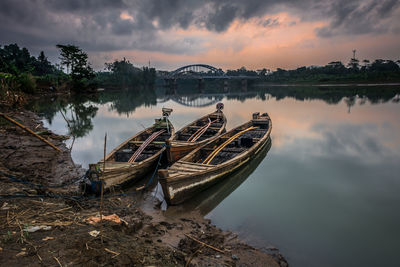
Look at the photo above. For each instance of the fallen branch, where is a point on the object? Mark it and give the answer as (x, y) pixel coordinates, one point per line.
(194, 254)
(30, 131)
(202, 243)
(59, 263)
(113, 252)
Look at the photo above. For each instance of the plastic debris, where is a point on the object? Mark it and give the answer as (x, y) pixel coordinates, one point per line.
(32, 229)
(112, 218)
(5, 206)
(94, 233)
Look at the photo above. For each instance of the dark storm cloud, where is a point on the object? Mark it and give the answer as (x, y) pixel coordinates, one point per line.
(96, 25)
(361, 17)
(220, 18)
(84, 5)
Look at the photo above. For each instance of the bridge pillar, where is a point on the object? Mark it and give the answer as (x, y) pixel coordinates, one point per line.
(172, 86)
(201, 85)
(226, 87)
(244, 85)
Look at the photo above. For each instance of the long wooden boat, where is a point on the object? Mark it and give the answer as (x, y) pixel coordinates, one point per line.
(196, 134)
(133, 158)
(206, 201)
(210, 163)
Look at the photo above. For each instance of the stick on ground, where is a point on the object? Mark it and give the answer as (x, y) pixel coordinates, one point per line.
(30, 131)
(207, 245)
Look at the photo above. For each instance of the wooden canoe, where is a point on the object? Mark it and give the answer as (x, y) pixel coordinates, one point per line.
(206, 201)
(185, 140)
(199, 169)
(118, 169)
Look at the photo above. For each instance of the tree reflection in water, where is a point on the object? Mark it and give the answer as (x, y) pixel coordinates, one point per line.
(79, 110)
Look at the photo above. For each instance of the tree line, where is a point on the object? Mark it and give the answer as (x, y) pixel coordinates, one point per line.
(380, 70)
(21, 71)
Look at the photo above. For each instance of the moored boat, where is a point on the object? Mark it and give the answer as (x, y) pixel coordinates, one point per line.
(196, 134)
(207, 200)
(210, 163)
(134, 157)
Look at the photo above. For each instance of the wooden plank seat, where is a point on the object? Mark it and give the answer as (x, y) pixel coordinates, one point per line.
(198, 127)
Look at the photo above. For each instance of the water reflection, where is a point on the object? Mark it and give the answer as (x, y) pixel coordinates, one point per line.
(209, 199)
(79, 110)
(329, 183)
(126, 101)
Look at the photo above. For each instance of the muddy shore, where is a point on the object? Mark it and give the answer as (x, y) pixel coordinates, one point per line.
(44, 220)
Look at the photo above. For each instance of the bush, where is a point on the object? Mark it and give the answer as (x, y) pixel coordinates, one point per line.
(82, 85)
(7, 81)
(27, 83)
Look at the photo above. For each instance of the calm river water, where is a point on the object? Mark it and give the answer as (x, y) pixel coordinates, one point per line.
(327, 191)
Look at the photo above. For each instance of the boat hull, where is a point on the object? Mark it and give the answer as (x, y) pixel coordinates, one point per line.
(179, 191)
(209, 198)
(119, 172)
(185, 178)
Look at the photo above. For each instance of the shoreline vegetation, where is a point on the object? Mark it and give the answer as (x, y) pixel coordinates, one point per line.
(22, 72)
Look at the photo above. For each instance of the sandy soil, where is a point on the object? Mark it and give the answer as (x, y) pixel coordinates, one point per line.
(65, 236)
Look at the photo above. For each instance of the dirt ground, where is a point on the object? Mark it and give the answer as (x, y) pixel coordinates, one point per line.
(41, 226)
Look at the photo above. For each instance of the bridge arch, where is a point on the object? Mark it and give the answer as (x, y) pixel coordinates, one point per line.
(195, 70)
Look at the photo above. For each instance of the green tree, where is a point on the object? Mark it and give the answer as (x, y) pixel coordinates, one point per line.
(123, 73)
(15, 60)
(43, 65)
(354, 62)
(77, 64)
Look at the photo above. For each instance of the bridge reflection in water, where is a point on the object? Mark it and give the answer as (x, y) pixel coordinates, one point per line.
(197, 101)
(209, 99)
(206, 201)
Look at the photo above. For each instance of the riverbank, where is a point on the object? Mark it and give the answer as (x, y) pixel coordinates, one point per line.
(52, 224)
(316, 84)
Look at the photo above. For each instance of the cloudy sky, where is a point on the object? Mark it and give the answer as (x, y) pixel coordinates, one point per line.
(224, 33)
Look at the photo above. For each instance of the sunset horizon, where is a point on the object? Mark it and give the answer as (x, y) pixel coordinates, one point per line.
(225, 34)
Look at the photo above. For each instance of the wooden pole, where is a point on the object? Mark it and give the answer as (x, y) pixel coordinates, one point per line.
(30, 131)
(102, 189)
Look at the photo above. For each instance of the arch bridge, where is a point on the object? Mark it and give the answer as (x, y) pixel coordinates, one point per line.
(196, 71)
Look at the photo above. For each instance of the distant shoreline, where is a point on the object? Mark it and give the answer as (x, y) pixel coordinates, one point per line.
(326, 84)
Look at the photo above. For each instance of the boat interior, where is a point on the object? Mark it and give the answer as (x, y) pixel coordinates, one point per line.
(256, 129)
(125, 153)
(188, 132)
